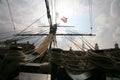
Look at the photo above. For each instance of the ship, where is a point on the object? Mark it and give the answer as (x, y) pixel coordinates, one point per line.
(61, 64)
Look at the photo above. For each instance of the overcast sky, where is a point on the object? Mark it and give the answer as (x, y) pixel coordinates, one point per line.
(105, 18)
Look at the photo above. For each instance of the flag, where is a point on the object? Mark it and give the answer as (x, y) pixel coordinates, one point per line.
(64, 19)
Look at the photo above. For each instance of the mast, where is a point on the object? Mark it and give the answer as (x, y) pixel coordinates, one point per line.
(48, 41)
(53, 28)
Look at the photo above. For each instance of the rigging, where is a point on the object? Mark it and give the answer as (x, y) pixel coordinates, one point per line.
(90, 13)
(11, 16)
(31, 24)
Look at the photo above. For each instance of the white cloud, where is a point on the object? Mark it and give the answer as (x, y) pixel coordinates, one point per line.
(115, 5)
(107, 22)
(24, 12)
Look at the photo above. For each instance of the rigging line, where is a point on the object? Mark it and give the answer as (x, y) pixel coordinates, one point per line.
(38, 39)
(29, 38)
(65, 41)
(55, 42)
(53, 5)
(52, 9)
(42, 32)
(26, 38)
(29, 51)
(90, 10)
(82, 45)
(55, 12)
(87, 43)
(90, 13)
(11, 16)
(6, 37)
(45, 30)
(77, 46)
(74, 43)
(73, 31)
(22, 38)
(37, 30)
(31, 24)
(3, 33)
(69, 46)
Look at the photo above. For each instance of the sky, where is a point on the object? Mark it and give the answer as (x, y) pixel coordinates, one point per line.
(105, 18)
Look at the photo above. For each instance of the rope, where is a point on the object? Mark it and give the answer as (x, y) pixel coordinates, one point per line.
(40, 37)
(3, 33)
(55, 11)
(90, 13)
(71, 62)
(30, 25)
(66, 41)
(86, 42)
(52, 9)
(6, 37)
(74, 43)
(95, 60)
(11, 16)
(55, 42)
(38, 40)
